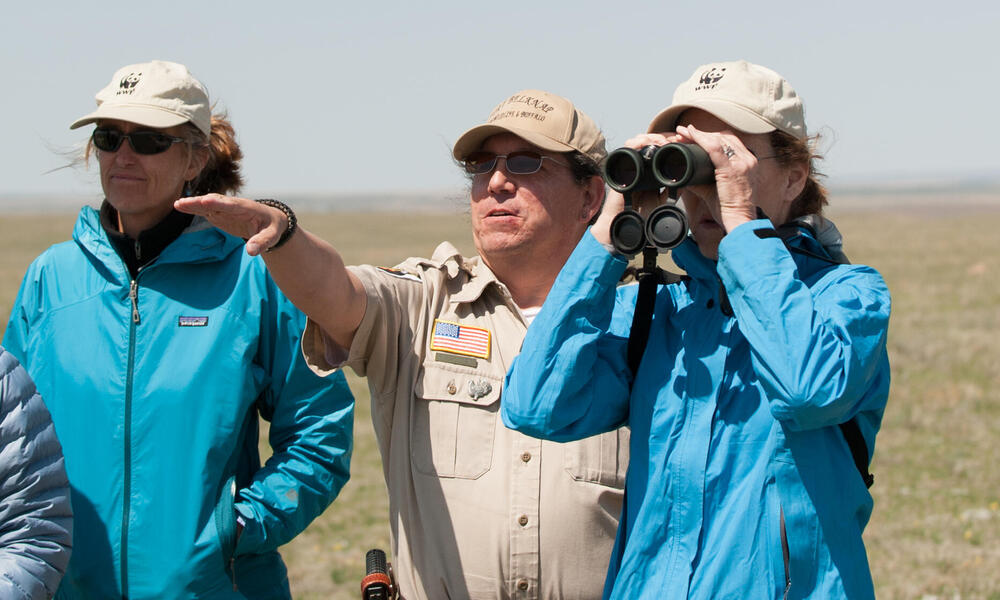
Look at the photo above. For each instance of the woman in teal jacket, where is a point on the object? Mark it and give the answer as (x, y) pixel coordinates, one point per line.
(741, 484)
(156, 342)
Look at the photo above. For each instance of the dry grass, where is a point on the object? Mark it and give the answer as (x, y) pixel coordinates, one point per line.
(935, 532)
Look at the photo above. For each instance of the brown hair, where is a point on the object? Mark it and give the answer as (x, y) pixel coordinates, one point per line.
(221, 174)
(584, 168)
(790, 150)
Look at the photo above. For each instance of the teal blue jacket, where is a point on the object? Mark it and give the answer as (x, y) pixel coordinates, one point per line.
(740, 483)
(155, 386)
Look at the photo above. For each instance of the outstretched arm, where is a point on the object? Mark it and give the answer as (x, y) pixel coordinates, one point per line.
(307, 269)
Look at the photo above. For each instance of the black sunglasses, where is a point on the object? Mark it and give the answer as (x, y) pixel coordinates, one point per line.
(522, 162)
(143, 142)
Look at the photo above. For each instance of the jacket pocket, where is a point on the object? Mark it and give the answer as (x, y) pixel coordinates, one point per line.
(454, 421)
(776, 534)
(599, 459)
(225, 520)
(801, 528)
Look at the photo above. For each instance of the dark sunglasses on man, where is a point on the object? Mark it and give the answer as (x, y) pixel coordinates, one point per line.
(522, 162)
(107, 139)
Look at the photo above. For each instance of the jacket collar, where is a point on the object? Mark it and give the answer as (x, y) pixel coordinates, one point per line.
(198, 242)
(149, 244)
(813, 233)
(688, 257)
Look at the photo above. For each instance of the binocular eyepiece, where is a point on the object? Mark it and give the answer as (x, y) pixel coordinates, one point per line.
(670, 166)
(653, 167)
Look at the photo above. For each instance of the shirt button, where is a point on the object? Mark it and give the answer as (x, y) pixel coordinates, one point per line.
(526, 456)
(522, 585)
(523, 520)
(452, 388)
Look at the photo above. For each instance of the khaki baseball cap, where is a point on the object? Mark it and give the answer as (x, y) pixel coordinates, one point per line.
(748, 97)
(155, 94)
(545, 120)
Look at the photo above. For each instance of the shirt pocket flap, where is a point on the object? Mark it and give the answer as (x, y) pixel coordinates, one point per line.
(454, 383)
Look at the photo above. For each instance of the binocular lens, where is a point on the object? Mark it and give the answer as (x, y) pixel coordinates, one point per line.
(678, 165)
(666, 227)
(627, 232)
(653, 167)
(672, 164)
(622, 169)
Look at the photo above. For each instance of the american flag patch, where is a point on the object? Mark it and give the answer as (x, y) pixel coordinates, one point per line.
(460, 339)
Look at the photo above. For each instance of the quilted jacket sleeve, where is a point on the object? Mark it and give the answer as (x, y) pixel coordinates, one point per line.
(36, 523)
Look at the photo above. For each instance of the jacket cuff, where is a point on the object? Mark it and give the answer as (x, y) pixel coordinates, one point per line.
(591, 260)
(743, 254)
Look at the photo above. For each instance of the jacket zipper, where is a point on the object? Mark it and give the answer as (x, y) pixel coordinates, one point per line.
(785, 555)
(127, 492)
(232, 557)
(133, 294)
(232, 571)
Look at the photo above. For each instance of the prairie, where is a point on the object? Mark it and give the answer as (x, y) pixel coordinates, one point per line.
(935, 530)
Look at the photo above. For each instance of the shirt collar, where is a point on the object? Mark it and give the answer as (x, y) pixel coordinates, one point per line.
(150, 243)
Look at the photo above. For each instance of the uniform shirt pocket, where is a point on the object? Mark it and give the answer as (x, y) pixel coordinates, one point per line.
(454, 421)
(599, 459)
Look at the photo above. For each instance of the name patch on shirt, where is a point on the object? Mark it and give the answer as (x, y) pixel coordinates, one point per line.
(192, 321)
(460, 339)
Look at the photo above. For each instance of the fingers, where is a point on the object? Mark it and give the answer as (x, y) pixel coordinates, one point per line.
(614, 203)
(205, 205)
(260, 242)
(259, 224)
(653, 139)
(725, 149)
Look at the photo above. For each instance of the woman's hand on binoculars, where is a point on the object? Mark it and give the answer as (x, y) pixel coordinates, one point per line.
(642, 201)
(259, 224)
(736, 175)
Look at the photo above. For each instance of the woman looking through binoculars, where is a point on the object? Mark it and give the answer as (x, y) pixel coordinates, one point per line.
(744, 477)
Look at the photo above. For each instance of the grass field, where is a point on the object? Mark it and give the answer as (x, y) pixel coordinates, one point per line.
(935, 532)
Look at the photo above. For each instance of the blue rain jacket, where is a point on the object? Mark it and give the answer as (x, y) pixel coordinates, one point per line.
(740, 483)
(155, 387)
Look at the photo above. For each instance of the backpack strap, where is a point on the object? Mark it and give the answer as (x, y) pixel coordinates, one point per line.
(859, 449)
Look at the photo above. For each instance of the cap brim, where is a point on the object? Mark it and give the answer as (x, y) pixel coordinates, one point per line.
(473, 139)
(734, 115)
(140, 115)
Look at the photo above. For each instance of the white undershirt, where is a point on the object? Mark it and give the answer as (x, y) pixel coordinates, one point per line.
(529, 313)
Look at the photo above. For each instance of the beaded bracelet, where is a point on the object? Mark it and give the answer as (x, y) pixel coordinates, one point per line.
(289, 214)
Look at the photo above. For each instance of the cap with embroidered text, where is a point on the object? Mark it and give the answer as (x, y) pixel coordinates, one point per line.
(155, 94)
(542, 119)
(748, 97)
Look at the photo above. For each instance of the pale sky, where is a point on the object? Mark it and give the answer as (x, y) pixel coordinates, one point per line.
(334, 97)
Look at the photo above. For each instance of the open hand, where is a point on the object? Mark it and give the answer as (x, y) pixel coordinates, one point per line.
(257, 223)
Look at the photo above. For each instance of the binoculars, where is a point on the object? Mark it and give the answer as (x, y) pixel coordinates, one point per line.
(670, 166)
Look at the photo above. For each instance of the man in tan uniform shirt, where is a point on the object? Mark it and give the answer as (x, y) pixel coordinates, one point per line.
(477, 510)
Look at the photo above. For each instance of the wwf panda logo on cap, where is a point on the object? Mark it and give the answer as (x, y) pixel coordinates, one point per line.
(748, 97)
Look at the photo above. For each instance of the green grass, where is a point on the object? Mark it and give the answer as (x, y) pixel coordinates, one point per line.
(935, 531)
